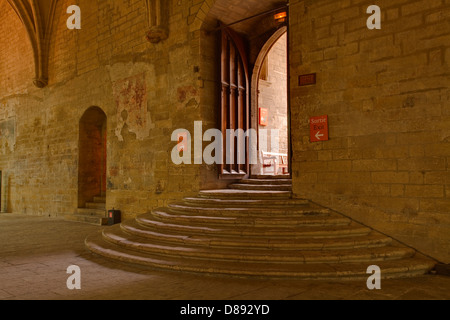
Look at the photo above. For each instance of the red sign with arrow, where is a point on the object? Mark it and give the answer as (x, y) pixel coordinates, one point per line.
(319, 128)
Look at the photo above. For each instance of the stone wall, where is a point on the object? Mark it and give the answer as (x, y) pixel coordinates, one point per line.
(146, 90)
(387, 95)
(16, 69)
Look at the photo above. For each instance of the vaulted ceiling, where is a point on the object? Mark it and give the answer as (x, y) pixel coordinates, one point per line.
(37, 17)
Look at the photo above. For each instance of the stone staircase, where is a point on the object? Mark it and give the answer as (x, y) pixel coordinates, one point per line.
(255, 228)
(93, 213)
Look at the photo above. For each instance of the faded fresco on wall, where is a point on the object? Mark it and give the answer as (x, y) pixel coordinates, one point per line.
(130, 95)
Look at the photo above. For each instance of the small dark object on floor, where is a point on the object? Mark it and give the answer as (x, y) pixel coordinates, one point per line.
(443, 269)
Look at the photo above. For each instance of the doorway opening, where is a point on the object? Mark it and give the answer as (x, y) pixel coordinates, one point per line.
(92, 156)
(270, 106)
(239, 41)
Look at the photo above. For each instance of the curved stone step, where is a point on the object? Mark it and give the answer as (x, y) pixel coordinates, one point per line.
(215, 241)
(270, 177)
(246, 203)
(261, 187)
(132, 242)
(166, 215)
(250, 229)
(257, 212)
(295, 232)
(244, 194)
(267, 181)
(390, 269)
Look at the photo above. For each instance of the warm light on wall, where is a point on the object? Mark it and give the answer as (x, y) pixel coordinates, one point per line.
(281, 16)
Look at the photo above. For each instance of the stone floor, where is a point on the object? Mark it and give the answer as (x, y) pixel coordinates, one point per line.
(35, 253)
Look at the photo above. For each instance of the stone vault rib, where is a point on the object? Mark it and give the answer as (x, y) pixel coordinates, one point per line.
(37, 19)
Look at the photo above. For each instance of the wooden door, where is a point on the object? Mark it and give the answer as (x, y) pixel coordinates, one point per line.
(235, 107)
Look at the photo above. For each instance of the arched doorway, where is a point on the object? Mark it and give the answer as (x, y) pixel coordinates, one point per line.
(270, 110)
(243, 34)
(92, 156)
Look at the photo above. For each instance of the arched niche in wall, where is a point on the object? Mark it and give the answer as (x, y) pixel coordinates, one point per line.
(92, 155)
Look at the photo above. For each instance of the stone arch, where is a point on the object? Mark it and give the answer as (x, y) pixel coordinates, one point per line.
(92, 155)
(196, 20)
(266, 48)
(257, 68)
(199, 19)
(253, 21)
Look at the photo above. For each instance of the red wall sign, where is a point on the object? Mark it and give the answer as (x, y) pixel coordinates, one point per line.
(263, 117)
(319, 128)
(307, 79)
